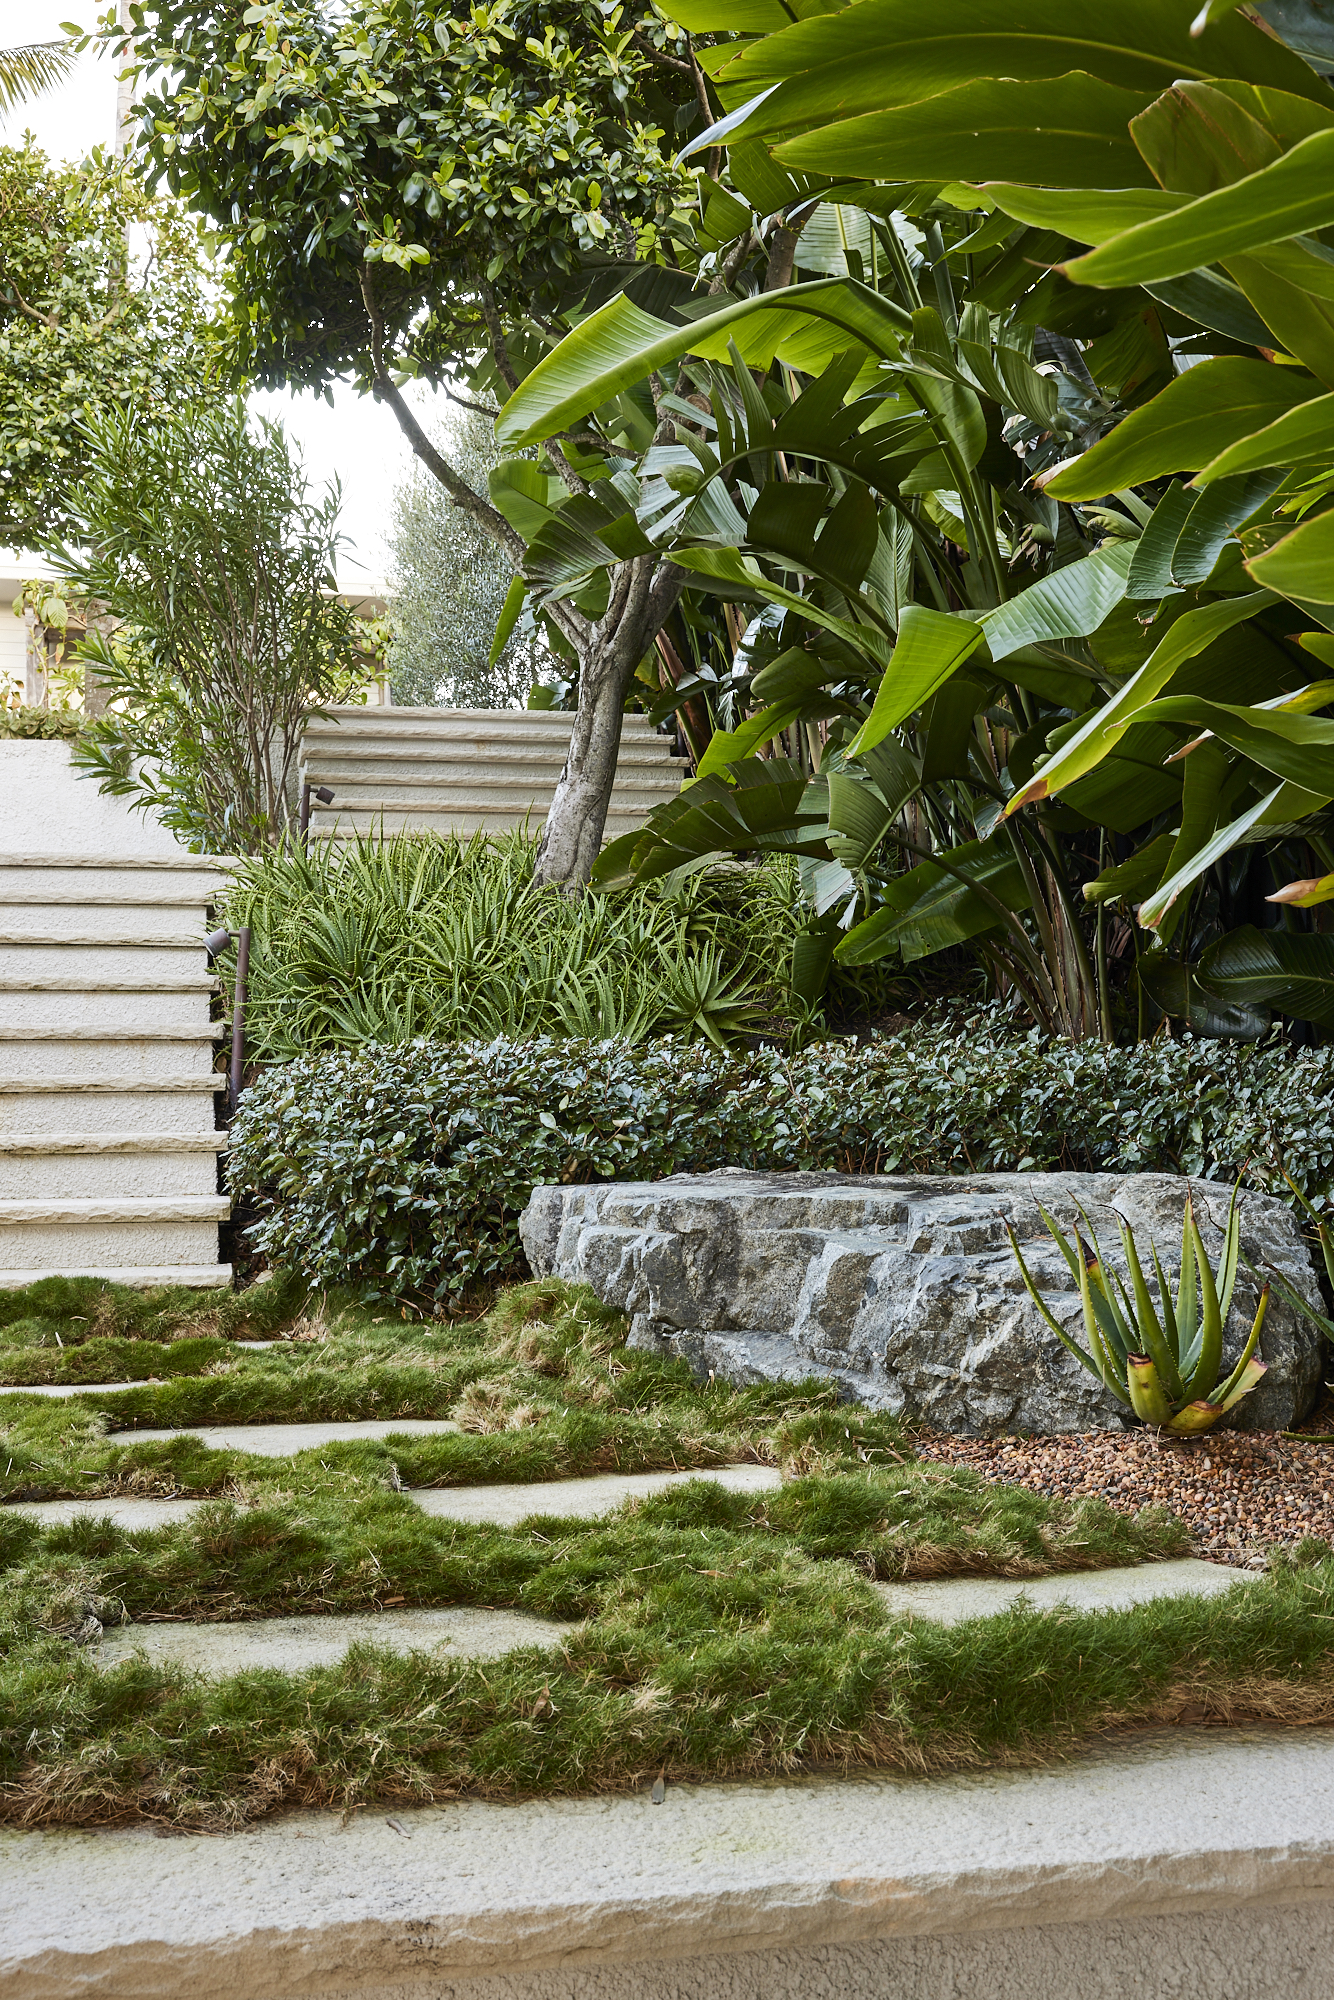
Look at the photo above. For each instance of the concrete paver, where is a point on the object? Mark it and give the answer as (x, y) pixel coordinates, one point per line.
(126, 1510)
(281, 1440)
(576, 1499)
(952, 1599)
(477, 1633)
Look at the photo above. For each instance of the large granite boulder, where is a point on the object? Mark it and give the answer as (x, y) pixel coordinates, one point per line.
(903, 1289)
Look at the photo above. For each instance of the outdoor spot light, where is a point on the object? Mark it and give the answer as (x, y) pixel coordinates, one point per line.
(325, 797)
(214, 944)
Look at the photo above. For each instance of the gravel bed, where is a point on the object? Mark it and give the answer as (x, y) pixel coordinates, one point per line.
(1239, 1492)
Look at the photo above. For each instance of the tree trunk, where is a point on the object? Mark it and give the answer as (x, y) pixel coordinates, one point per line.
(643, 593)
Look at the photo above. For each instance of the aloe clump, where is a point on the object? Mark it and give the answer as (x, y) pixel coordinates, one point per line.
(1166, 1369)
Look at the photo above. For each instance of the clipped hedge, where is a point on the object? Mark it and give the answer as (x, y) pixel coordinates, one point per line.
(402, 1172)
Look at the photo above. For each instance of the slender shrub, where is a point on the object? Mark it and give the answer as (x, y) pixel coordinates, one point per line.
(403, 1171)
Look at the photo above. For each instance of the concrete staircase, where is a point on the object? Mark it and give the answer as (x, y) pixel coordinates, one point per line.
(466, 771)
(108, 1139)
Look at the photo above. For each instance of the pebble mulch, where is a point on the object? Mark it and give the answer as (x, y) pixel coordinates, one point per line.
(1238, 1492)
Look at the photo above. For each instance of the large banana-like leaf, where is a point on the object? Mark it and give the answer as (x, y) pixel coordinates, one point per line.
(756, 806)
(930, 907)
(881, 53)
(1184, 426)
(621, 343)
(985, 130)
(1294, 195)
(1301, 566)
(1090, 215)
(730, 567)
(1070, 603)
(1107, 725)
(929, 648)
(1155, 907)
(1288, 969)
(1292, 745)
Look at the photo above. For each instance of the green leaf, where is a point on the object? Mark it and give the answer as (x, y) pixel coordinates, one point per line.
(1099, 735)
(1214, 521)
(1303, 433)
(1151, 568)
(1291, 970)
(757, 805)
(1090, 215)
(1132, 879)
(1175, 988)
(729, 566)
(509, 618)
(1292, 745)
(621, 344)
(1183, 427)
(1289, 198)
(1069, 604)
(930, 908)
(882, 53)
(522, 492)
(1301, 566)
(929, 647)
(1155, 907)
(985, 130)
(729, 746)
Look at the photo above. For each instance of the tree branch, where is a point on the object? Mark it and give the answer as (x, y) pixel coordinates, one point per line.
(500, 353)
(466, 403)
(488, 518)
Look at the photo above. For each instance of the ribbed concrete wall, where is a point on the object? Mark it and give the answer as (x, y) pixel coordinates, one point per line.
(108, 1136)
(467, 771)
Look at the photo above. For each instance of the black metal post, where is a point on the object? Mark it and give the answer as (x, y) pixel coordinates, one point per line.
(303, 817)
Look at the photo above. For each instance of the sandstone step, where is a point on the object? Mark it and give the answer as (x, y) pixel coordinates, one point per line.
(80, 1236)
(136, 1172)
(215, 865)
(84, 982)
(81, 1065)
(1184, 1862)
(142, 895)
(49, 1144)
(346, 759)
(143, 1277)
(199, 1031)
(480, 797)
(96, 1208)
(580, 1499)
(284, 1440)
(105, 927)
(74, 1083)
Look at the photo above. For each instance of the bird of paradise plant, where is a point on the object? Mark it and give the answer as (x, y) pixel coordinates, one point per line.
(1166, 1369)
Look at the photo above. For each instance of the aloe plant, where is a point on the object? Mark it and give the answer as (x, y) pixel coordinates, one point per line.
(1165, 1368)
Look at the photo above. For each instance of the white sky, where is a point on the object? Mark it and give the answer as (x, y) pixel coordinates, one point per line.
(355, 440)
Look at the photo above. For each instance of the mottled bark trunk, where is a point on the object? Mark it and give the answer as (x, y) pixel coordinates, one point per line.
(643, 593)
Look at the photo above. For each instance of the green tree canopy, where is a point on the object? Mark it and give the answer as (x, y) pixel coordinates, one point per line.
(101, 307)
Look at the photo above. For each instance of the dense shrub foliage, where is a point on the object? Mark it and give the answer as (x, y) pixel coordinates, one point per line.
(403, 1171)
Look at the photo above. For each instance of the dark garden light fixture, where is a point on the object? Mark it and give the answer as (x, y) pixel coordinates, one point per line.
(325, 797)
(215, 944)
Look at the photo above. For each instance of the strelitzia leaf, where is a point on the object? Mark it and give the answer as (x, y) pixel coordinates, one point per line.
(929, 648)
(1293, 196)
(1185, 426)
(1106, 726)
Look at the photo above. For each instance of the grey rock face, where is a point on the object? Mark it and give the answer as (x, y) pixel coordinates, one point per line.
(904, 1290)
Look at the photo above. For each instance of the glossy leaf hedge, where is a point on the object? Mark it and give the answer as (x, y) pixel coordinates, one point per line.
(402, 1172)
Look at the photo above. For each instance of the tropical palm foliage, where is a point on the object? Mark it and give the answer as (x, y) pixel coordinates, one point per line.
(1014, 507)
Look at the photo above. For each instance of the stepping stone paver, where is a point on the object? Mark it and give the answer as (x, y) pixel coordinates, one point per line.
(64, 1389)
(125, 1510)
(281, 1440)
(950, 1600)
(291, 1644)
(506, 1506)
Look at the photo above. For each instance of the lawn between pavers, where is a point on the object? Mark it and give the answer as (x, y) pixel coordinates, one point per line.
(726, 1634)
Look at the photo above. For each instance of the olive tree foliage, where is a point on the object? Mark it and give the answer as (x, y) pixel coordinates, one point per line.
(200, 540)
(448, 587)
(101, 307)
(429, 189)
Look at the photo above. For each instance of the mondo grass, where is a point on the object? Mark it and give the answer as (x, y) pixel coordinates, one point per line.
(714, 1656)
(719, 1633)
